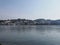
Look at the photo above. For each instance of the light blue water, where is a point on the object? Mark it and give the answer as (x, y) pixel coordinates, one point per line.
(30, 35)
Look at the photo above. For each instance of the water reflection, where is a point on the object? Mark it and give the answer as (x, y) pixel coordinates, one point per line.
(30, 35)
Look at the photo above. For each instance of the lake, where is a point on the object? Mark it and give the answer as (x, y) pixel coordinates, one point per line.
(30, 34)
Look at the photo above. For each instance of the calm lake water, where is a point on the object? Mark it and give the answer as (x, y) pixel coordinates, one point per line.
(30, 35)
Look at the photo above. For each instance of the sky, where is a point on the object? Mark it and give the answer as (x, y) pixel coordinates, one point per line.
(30, 9)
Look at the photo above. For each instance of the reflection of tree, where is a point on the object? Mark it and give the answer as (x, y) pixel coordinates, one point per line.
(40, 28)
(18, 28)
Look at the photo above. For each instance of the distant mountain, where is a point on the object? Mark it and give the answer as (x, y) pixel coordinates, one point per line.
(48, 22)
(29, 22)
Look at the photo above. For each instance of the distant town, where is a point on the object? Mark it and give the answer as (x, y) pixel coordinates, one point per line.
(29, 22)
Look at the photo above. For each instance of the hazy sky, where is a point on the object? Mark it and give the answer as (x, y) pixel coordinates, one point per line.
(30, 9)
